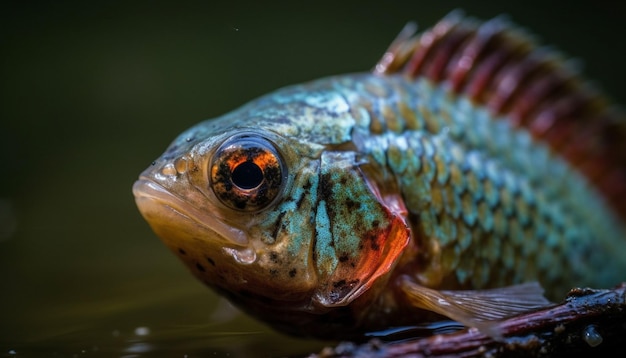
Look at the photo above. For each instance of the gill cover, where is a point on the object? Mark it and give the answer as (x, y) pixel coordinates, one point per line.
(358, 237)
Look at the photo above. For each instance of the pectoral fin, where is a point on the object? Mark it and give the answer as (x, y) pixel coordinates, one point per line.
(477, 308)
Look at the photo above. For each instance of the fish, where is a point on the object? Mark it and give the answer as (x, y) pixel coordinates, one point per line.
(471, 175)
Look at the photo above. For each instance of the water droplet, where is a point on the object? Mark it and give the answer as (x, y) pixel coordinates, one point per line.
(592, 336)
(142, 331)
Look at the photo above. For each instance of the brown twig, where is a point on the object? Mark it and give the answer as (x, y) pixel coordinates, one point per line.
(588, 321)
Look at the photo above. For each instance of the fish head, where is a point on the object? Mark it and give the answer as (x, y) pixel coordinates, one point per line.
(270, 205)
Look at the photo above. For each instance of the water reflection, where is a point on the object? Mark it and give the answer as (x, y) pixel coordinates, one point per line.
(399, 334)
(165, 316)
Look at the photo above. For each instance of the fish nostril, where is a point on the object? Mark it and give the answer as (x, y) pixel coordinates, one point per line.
(175, 168)
(181, 165)
(168, 169)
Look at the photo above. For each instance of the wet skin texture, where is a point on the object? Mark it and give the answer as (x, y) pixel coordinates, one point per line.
(358, 202)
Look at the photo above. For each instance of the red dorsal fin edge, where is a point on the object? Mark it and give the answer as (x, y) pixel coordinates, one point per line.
(500, 66)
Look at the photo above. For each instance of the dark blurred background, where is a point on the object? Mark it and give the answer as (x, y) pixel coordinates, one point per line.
(92, 91)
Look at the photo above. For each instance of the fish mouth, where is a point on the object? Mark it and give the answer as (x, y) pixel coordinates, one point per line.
(160, 207)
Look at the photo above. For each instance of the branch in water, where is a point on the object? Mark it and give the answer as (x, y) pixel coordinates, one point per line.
(588, 321)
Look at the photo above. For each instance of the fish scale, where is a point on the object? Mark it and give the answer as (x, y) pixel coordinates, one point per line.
(500, 169)
(454, 178)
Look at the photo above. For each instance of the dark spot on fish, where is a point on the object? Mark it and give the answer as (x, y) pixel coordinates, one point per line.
(210, 260)
(343, 180)
(292, 272)
(307, 185)
(341, 289)
(195, 168)
(300, 201)
(352, 205)
(153, 163)
(200, 267)
(182, 252)
(344, 257)
(325, 187)
(273, 272)
(278, 225)
(374, 242)
(375, 223)
(274, 257)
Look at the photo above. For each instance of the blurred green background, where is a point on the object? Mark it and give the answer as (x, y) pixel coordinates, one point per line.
(92, 91)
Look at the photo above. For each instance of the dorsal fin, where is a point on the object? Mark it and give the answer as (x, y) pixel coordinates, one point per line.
(499, 66)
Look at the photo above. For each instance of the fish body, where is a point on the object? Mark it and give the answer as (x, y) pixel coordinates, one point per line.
(369, 200)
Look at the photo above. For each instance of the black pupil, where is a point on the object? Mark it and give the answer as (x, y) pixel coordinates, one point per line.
(247, 175)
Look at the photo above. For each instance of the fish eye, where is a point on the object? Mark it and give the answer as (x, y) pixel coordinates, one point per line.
(246, 173)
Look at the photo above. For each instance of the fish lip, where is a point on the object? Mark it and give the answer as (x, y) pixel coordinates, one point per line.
(145, 188)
